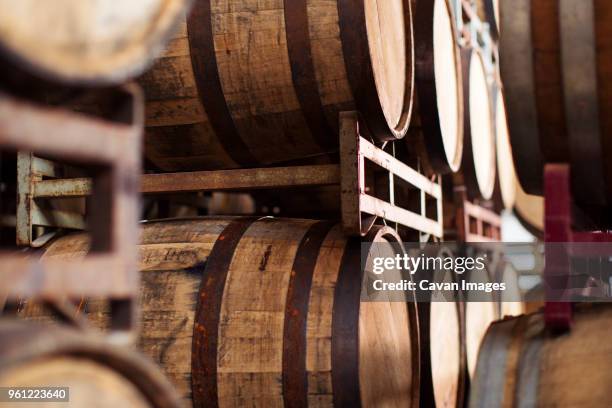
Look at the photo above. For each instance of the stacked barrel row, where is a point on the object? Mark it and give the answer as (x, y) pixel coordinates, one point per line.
(270, 311)
(251, 85)
(245, 85)
(555, 65)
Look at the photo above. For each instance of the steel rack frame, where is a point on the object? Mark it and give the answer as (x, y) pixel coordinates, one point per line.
(110, 148)
(359, 208)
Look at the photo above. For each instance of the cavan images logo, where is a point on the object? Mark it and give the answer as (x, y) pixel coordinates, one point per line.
(423, 274)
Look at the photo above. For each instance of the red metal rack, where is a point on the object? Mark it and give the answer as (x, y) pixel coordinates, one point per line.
(558, 229)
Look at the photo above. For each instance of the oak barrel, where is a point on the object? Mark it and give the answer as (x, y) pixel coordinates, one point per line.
(529, 210)
(258, 83)
(511, 300)
(83, 42)
(443, 359)
(267, 312)
(479, 162)
(523, 364)
(96, 374)
(555, 63)
(481, 309)
(506, 174)
(437, 124)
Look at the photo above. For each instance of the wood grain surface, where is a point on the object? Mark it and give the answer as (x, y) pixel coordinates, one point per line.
(437, 123)
(522, 364)
(256, 83)
(555, 66)
(479, 162)
(267, 311)
(506, 173)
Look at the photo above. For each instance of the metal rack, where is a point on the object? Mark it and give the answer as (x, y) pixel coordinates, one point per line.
(110, 149)
(359, 208)
(476, 33)
(558, 229)
(479, 224)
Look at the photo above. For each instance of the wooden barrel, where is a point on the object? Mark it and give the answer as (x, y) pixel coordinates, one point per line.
(478, 165)
(535, 299)
(511, 299)
(529, 210)
(506, 174)
(83, 42)
(523, 364)
(555, 65)
(96, 374)
(267, 312)
(443, 363)
(257, 83)
(480, 311)
(438, 114)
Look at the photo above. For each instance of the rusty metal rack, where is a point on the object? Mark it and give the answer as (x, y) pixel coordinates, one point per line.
(359, 208)
(109, 148)
(479, 223)
(470, 221)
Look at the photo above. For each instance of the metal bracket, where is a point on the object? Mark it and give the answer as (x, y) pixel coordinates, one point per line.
(480, 224)
(477, 33)
(32, 170)
(359, 208)
(111, 151)
(558, 229)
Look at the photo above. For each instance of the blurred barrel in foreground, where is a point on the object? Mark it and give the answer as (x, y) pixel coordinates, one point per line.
(479, 165)
(96, 374)
(437, 126)
(82, 42)
(268, 311)
(523, 364)
(555, 64)
(257, 83)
